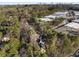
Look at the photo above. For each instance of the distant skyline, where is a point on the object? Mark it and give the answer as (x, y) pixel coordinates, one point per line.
(11, 2)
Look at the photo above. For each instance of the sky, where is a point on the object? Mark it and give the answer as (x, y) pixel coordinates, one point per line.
(35, 1)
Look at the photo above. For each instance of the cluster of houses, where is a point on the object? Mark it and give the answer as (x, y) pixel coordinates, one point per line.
(70, 24)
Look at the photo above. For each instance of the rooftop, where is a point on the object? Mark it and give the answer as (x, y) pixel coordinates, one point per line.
(76, 21)
(67, 30)
(50, 16)
(76, 12)
(73, 25)
(46, 19)
(60, 13)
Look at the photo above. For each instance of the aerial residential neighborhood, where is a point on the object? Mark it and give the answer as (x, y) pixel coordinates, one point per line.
(39, 30)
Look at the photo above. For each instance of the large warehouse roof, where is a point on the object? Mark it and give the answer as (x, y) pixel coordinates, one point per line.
(51, 16)
(46, 19)
(77, 20)
(73, 25)
(76, 12)
(60, 13)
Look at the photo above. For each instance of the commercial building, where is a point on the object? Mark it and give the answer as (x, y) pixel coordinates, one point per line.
(73, 25)
(73, 28)
(76, 21)
(46, 19)
(70, 28)
(56, 15)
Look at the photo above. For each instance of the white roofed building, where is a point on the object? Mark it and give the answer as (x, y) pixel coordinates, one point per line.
(69, 16)
(70, 28)
(50, 16)
(46, 19)
(61, 14)
(73, 25)
(56, 15)
(76, 21)
(73, 28)
(77, 14)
